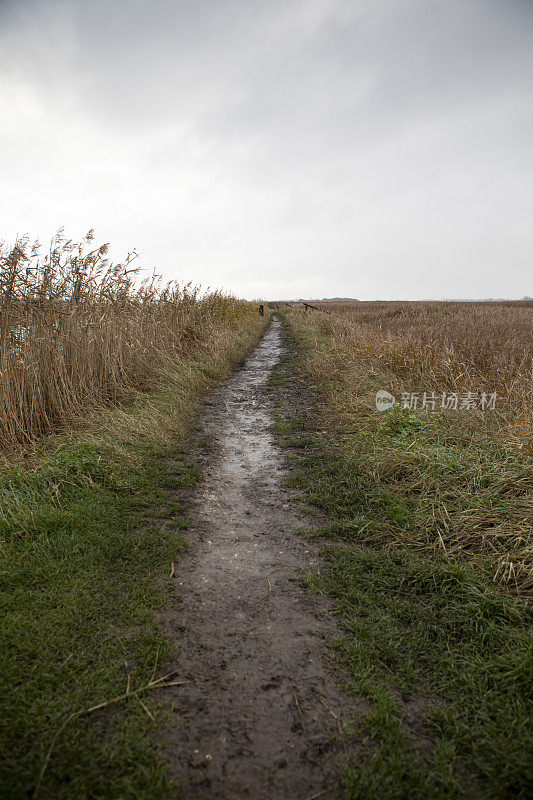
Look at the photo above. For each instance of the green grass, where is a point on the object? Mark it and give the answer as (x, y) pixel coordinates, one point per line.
(88, 532)
(78, 594)
(430, 634)
(443, 659)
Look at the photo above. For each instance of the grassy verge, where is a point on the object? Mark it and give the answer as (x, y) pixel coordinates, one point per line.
(443, 657)
(88, 533)
(450, 482)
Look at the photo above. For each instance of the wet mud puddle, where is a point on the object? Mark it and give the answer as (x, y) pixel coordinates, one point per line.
(257, 718)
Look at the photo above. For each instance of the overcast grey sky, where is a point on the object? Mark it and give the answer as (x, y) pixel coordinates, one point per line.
(278, 148)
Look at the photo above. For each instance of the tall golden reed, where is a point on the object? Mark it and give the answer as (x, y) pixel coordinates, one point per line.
(77, 331)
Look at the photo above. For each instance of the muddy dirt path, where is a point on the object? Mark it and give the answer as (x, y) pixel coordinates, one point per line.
(256, 719)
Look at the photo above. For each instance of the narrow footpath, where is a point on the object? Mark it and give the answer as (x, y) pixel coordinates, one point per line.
(260, 715)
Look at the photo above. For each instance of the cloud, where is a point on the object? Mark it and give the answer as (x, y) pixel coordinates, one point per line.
(278, 148)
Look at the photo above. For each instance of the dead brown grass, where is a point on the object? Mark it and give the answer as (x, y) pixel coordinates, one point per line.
(445, 346)
(77, 332)
(458, 481)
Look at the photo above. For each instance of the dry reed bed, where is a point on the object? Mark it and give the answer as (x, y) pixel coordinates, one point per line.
(466, 474)
(77, 332)
(451, 346)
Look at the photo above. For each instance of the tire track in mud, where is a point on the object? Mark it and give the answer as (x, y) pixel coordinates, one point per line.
(259, 716)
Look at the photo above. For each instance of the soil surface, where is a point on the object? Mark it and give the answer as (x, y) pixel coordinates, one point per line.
(260, 715)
